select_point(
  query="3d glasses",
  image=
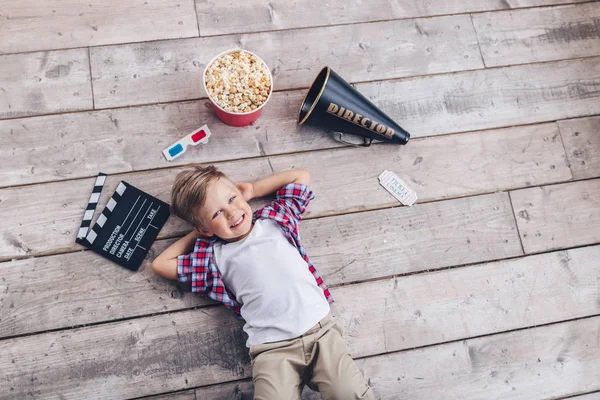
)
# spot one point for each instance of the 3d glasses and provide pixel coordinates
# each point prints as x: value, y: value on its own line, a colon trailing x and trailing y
x: 178, y: 148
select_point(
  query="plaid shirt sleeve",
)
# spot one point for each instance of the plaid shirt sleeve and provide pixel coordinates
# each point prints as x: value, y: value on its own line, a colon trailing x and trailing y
x: 193, y: 268
x: 199, y: 269
x: 290, y: 203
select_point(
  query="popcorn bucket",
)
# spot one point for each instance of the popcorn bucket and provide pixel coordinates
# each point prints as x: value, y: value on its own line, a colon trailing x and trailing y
x: 233, y: 118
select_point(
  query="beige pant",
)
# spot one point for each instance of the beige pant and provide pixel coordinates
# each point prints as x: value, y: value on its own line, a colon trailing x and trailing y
x: 319, y: 359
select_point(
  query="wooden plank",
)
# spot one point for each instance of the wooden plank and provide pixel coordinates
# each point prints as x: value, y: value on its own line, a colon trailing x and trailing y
x: 58, y: 217
x: 244, y: 390
x: 581, y: 138
x: 558, y: 216
x: 490, y: 98
x: 443, y: 306
x: 133, y: 138
x: 44, y: 82
x: 120, y: 140
x: 353, y: 247
x: 480, y: 162
x: 45, y: 293
x: 192, y: 348
x: 240, y: 390
x: 539, y: 34
x: 223, y: 17
x: 343, y: 179
x: 29, y: 26
x: 172, y: 70
x: 186, y: 395
x: 127, y: 359
x: 130, y: 139
x: 541, y: 363
x: 472, y: 293
x: 591, y: 396
x: 464, y: 101
x: 431, y: 236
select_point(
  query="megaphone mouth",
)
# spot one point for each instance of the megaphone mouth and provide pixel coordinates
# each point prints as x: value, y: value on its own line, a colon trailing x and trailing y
x: 313, y: 95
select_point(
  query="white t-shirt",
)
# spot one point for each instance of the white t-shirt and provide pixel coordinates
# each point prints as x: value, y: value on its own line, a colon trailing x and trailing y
x: 279, y: 295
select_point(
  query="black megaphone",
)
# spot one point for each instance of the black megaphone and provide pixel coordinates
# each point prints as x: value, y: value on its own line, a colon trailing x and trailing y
x: 332, y: 103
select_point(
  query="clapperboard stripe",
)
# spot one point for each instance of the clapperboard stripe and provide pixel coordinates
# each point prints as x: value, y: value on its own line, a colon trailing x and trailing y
x: 106, y: 213
x: 91, y: 207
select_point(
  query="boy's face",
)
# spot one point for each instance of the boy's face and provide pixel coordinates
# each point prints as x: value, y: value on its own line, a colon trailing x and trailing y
x: 225, y: 213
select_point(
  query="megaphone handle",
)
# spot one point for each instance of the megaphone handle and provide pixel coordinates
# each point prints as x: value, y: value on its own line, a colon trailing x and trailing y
x: 366, y: 141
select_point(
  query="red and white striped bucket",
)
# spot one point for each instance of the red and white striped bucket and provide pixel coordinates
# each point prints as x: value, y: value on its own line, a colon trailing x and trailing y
x: 228, y: 117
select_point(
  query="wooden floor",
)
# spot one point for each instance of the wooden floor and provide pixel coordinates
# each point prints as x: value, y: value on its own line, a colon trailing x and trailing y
x: 488, y: 288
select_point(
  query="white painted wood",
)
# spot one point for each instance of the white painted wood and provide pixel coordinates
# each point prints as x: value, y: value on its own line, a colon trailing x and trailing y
x: 418, y: 310
x: 44, y: 293
x: 48, y: 216
x: 200, y: 347
x: 436, y: 168
x: 343, y: 179
x: 191, y: 348
x: 539, y: 34
x: 30, y: 25
x: 133, y: 138
x: 129, y: 139
x: 241, y: 390
x: 581, y: 138
x: 44, y: 82
x: 190, y: 395
x: 78, y: 145
x: 244, y: 391
x: 59, y: 291
x: 533, y: 283
x: 127, y: 359
x: 490, y: 98
x: 221, y: 17
x: 172, y: 70
x: 558, y: 216
x: 591, y: 396
x: 355, y: 247
x: 538, y: 363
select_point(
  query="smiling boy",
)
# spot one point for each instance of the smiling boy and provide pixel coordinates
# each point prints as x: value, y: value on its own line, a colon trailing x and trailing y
x: 255, y: 264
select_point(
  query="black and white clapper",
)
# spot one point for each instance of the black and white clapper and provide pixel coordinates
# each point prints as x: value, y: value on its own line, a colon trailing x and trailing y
x: 127, y: 226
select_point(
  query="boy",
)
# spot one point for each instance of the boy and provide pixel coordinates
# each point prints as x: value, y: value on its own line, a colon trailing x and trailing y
x: 257, y: 266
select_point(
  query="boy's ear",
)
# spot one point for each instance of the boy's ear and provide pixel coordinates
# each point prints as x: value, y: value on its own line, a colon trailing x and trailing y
x: 203, y: 232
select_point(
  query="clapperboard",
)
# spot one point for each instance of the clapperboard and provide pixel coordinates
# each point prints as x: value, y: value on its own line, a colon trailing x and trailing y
x: 127, y: 226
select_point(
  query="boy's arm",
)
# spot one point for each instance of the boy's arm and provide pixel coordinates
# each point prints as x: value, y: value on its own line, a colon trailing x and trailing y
x: 165, y: 264
x: 273, y: 183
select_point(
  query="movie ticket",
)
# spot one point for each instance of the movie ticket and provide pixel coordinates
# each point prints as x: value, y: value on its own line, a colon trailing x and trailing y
x: 398, y: 188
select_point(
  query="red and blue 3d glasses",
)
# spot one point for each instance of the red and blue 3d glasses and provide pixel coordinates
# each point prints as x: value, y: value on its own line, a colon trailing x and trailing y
x: 178, y: 148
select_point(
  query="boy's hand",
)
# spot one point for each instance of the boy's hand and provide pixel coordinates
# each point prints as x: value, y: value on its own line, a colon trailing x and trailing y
x: 247, y: 190
x: 266, y: 186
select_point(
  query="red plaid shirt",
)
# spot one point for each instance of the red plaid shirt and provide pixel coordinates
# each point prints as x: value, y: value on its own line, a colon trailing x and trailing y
x: 200, y: 268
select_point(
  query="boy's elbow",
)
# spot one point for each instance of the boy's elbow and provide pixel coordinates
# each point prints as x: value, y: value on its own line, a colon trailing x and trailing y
x: 155, y: 266
x: 164, y: 269
x: 303, y: 177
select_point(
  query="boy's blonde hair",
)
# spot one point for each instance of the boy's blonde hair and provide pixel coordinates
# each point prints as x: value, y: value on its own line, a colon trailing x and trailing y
x: 189, y: 192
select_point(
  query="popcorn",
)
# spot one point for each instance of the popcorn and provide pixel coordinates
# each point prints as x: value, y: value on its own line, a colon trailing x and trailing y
x: 238, y: 82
